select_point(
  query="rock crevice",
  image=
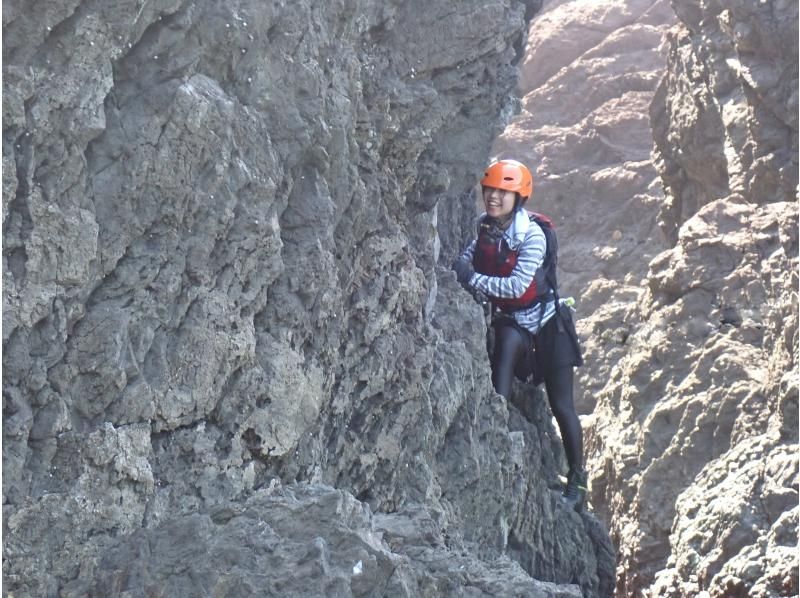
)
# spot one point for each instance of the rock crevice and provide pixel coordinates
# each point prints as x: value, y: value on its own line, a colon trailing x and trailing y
x: 684, y: 267
x: 223, y: 307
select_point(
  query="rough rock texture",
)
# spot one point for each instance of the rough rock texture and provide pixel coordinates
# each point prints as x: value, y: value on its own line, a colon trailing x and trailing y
x: 221, y: 228
x: 695, y: 436
x: 725, y: 117
x: 691, y: 336
x: 256, y: 548
x: 717, y: 494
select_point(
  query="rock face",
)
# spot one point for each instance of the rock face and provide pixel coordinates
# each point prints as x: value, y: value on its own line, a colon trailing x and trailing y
x: 715, y: 492
x: 229, y: 352
x: 725, y: 118
x: 695, y: 436
x: 256, y: 548
x: 687, y: 300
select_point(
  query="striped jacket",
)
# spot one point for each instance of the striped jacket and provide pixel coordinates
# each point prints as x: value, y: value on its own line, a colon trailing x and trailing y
x: 527, y: 239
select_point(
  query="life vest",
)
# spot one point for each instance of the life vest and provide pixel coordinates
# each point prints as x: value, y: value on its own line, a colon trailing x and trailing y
x: 493, y: 257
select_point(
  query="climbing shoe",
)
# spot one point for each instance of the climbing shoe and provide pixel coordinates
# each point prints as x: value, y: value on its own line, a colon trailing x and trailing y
x: 575, y: 490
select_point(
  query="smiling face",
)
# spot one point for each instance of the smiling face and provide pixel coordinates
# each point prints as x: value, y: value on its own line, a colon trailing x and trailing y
x: 498, y: 203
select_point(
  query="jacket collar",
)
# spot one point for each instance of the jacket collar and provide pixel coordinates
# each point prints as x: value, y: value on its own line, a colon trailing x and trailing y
x: 515, y: 234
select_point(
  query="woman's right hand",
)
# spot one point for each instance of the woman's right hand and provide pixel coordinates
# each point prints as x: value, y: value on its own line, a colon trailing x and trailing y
x: 464, y: 272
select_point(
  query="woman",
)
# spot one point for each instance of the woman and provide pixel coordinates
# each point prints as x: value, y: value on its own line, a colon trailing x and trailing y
x: 511, y: 264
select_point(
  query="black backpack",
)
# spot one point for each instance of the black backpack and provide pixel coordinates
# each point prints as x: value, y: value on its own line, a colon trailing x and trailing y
x: 551, y: 253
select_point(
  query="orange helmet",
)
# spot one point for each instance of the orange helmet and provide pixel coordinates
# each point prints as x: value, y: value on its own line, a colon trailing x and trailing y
x: 509, y: 175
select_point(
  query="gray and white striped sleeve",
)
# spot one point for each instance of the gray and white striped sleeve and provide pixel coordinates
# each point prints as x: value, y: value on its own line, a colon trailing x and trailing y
x: 530, y: 256
x: 467, y: 254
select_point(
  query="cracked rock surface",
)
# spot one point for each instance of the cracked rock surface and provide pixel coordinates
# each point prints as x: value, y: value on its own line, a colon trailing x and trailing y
x: 230, y: 353
x: 684, y: 266
x: 721, y: 492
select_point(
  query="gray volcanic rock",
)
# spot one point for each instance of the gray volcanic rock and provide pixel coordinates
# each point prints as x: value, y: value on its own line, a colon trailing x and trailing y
x: 690, y: 383
x: 708, y: 392
x: 695, y: 435
x: 725, y: 118
x: 222, y: 224
x: 305, y: 540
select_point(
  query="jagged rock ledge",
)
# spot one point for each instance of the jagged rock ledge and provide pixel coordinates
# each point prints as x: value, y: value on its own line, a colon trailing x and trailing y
x: 221, y: 229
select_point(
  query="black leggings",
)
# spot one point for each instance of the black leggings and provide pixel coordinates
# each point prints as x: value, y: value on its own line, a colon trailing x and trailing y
x: 510, y: 345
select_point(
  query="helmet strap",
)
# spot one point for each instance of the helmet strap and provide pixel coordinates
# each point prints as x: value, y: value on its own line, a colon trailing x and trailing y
x: 503, y: 222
